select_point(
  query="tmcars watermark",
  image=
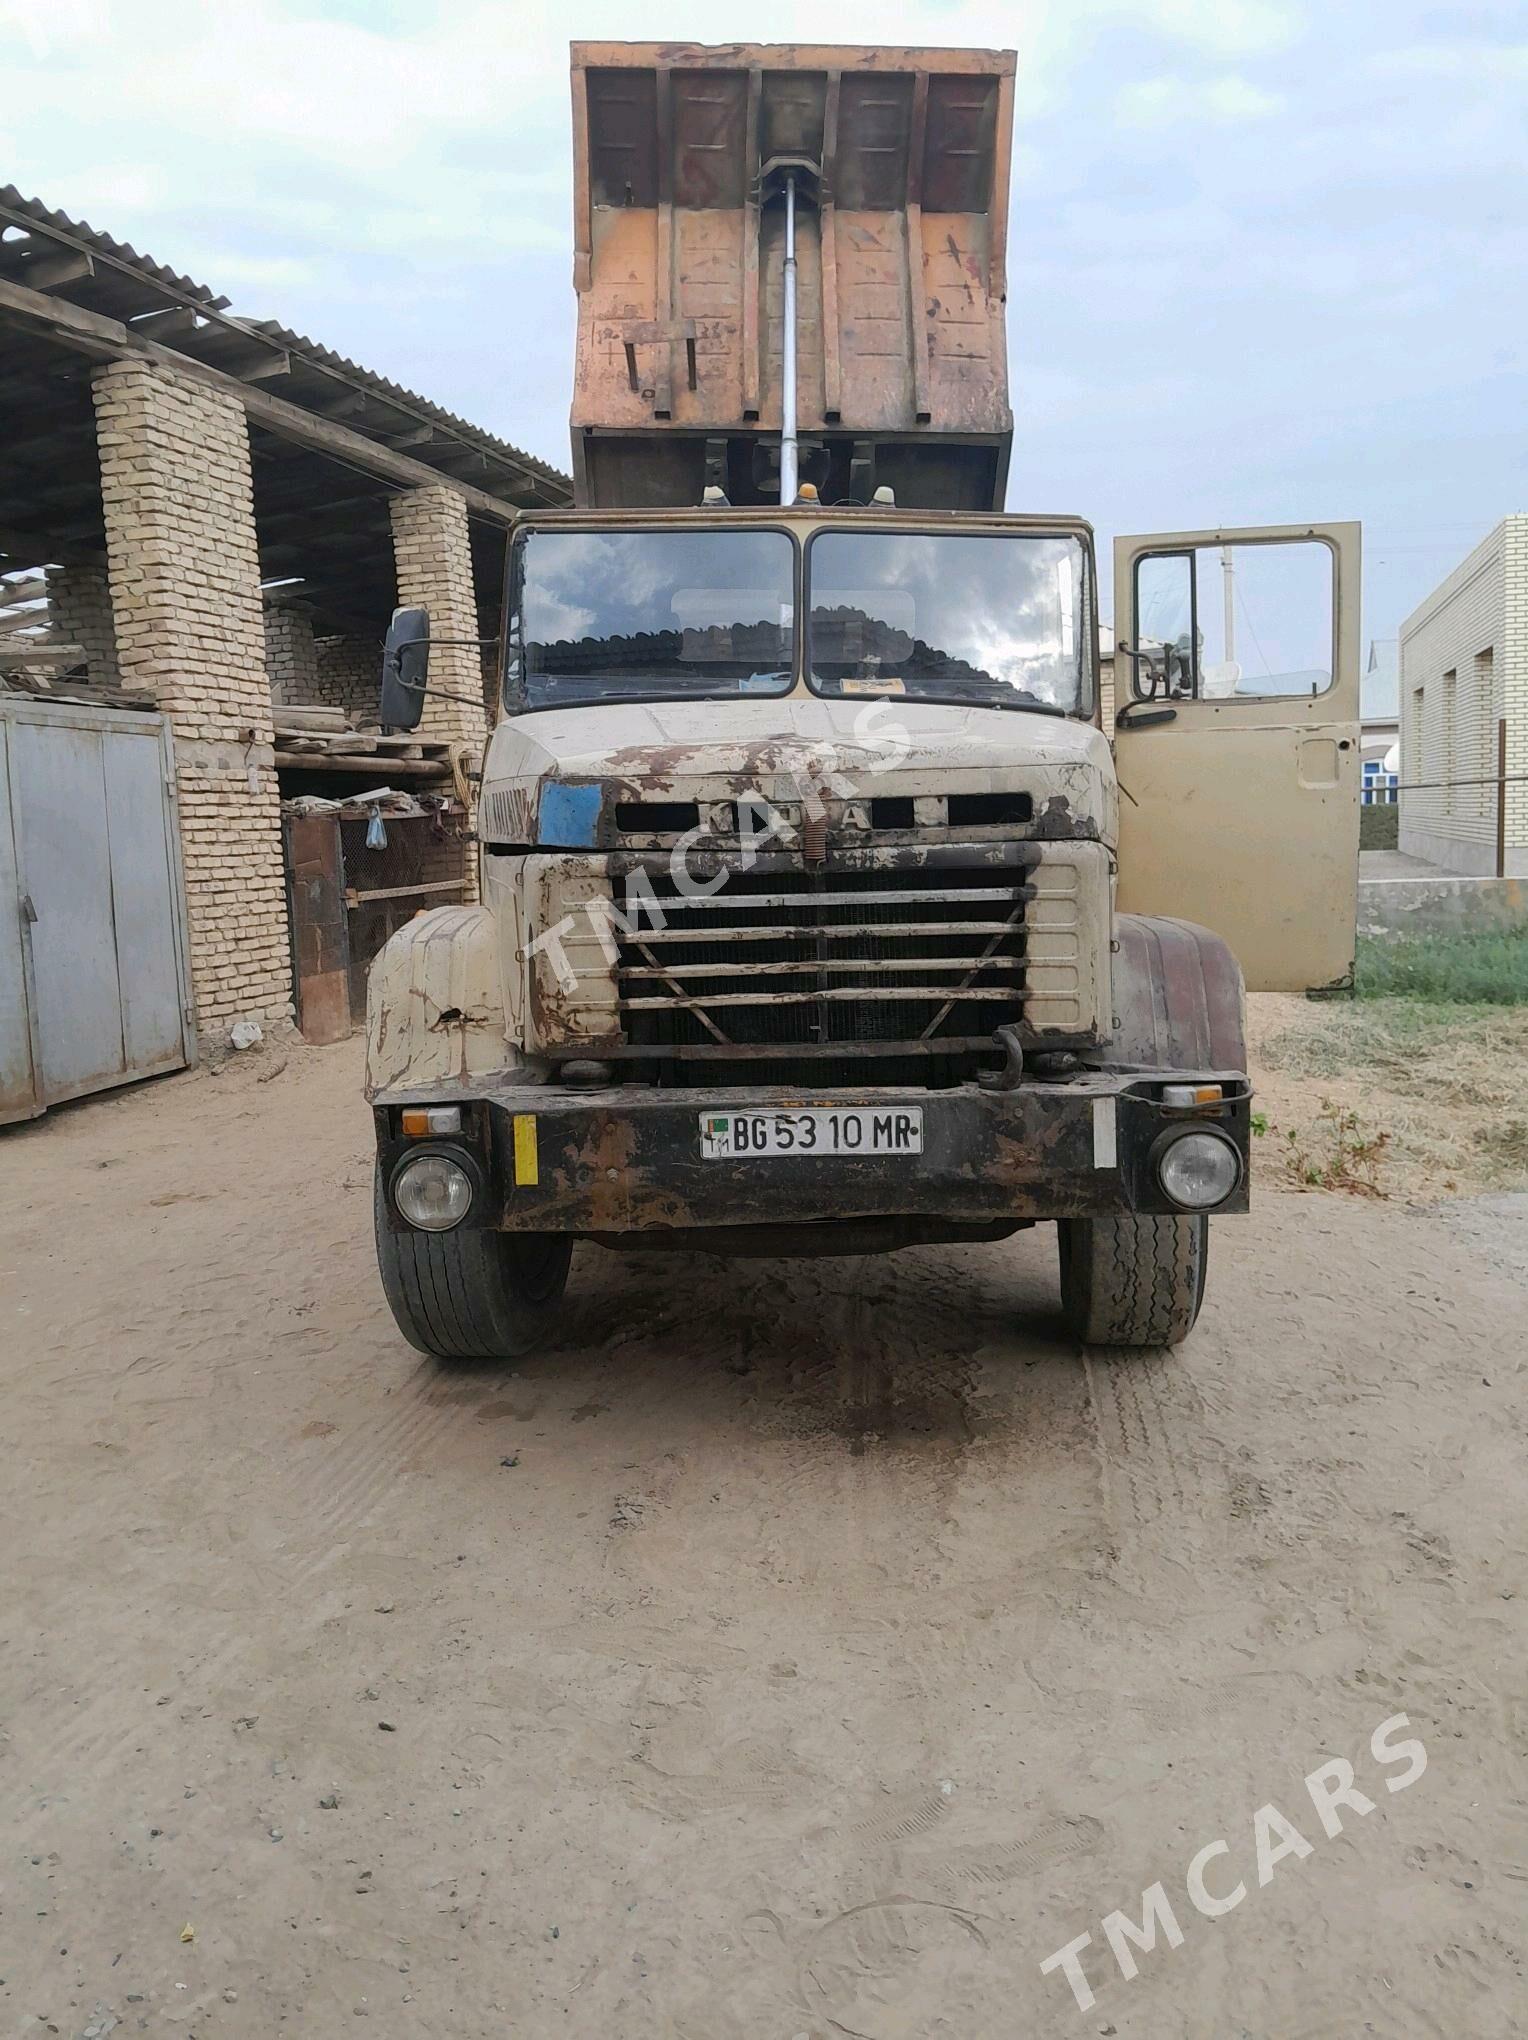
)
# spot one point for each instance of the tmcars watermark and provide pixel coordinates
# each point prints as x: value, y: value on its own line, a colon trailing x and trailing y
x: 814, y: 773
x: 1331, y: 1789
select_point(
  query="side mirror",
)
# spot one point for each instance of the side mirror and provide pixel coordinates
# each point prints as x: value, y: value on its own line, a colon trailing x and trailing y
x: 1167, y: 615
x: 405, y: 669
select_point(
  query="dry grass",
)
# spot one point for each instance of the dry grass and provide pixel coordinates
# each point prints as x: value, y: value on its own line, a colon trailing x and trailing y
x: 1395, y: 1097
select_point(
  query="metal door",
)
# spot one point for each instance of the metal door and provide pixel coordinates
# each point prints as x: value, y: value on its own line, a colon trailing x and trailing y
x: 95, y: 987
x: 18, y: 1084
x: 1239, y: 790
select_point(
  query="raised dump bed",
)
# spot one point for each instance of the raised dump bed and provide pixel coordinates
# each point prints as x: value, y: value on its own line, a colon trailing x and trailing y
x: 900, y: 159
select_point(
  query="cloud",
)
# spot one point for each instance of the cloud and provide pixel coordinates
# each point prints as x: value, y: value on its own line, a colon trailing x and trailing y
x: 1227, y: 28
x: 1483, y: 64
x: 265, y: 272
x: 1227, y: 101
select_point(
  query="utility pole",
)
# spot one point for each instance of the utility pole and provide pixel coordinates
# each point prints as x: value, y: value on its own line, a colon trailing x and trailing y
x: 1228, y: 574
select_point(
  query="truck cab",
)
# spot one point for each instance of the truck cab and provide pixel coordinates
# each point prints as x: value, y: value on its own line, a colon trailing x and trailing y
x: 819, y: 912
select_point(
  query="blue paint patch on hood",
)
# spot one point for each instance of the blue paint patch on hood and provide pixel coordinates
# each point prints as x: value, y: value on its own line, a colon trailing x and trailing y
x: 569, y: 815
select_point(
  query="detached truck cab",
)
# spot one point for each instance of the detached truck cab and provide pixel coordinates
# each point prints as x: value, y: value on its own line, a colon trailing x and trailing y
x: 818, y: 912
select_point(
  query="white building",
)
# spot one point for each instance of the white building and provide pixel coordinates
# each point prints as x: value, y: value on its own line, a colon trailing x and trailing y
x: 1379, y: 728
x: 1464, y: 668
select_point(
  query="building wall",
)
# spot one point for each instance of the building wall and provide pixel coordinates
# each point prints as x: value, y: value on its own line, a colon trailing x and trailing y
x: 434, y: 562
x: 348, y: 675
x: 79, y: 612
x: 291, y: 660
x: 184, y: 576
x: 1464, y: 665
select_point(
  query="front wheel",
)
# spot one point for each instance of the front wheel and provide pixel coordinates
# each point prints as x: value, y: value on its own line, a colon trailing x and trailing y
x: 1130, y: 1279
x: 471, y: 1295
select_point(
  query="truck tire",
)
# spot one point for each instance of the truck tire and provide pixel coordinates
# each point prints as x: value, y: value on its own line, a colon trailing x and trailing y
x: 1129, y: 1279
x: 471, y: 1295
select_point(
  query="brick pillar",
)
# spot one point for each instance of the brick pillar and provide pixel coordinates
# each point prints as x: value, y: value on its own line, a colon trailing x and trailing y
x: 435, y: 568
x: 434, y: 560
x: 291, y: 653
x: 79, y: 611
x: 185, y: 592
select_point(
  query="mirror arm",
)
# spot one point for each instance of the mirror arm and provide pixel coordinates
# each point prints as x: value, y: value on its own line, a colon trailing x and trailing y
x: 441, y: 693
x: 1135, y: 657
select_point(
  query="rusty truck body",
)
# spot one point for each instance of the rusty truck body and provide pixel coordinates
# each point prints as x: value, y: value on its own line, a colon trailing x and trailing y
x: 820, y: 911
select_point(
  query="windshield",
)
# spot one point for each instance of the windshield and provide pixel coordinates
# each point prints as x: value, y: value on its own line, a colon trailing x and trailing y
x: 956, y: 617
x: 651, y: 615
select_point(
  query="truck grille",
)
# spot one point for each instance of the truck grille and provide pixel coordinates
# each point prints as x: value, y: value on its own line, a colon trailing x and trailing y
x: 888, y: 959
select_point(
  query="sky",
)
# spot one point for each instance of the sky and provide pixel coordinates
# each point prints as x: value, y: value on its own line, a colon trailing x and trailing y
x: 1266, y: 258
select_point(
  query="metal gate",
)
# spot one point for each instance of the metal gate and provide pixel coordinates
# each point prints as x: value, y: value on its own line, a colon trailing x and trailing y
x: 94, y: 985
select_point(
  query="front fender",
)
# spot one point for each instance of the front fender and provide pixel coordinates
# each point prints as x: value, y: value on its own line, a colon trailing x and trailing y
x: 1179, y: 1001
x: 435, y: 1001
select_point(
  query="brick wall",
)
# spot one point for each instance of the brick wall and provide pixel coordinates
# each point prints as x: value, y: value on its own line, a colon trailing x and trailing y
x: 434, y: 561
x: 291, y: 659
x: 348, y: 675
x: 1463, y: 665
x: 185, y: 591
x: 79, y: 610
x: 1512, y: 689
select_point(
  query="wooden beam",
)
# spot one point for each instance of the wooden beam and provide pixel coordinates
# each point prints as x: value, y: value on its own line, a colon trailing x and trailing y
x: 382, y: 768
x: 258, y: 367
x: 469, y: 457
x: 346, y: 405
x: 165, y: 325
x: 29, y: 589
x: 24, y: 619
x: 69, y: 266
x: 402, y: 892
x: 108, y: 340
x: 307, y: 508
x: 42, y: 654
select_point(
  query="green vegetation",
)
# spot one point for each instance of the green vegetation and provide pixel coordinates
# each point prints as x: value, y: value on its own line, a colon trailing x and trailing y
x: 1379, y: 826
x: 1447, y: 970
x: 1336, y: 1152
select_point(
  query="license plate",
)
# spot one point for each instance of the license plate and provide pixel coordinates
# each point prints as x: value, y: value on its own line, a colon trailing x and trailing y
x: 814, y: 1130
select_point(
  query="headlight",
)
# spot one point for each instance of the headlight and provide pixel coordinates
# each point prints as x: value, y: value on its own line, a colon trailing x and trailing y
x: 433, y: 1192
x: 1198, y: 1170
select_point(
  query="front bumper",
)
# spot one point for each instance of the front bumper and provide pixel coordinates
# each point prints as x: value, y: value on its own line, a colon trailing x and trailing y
x: 627, y: 1160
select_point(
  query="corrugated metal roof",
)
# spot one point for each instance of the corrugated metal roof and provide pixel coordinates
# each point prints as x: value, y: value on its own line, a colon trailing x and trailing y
x: 161, y: 288
x: 37, y: 214
x: 299, y: 343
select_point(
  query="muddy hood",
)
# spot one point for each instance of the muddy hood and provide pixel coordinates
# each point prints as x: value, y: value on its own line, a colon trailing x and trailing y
x: 715, y: 750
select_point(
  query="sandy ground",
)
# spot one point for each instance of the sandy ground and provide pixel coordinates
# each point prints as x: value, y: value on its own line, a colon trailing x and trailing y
x: 794, y: 1650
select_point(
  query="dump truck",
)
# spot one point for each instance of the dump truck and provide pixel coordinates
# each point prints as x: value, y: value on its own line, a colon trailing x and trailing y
x: 828, y: 905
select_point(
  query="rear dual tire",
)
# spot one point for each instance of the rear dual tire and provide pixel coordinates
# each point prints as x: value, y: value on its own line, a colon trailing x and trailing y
x: 1132, y: 1279
x: 471, y: 1294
